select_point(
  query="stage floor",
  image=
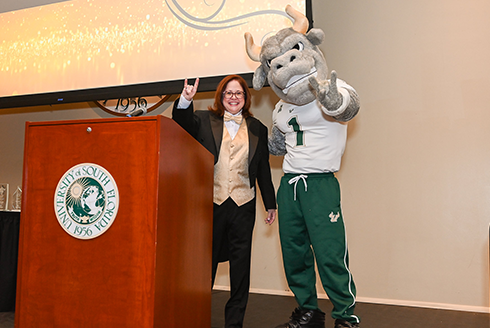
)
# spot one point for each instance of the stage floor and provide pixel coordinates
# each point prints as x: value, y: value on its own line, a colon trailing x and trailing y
x: 268, y: 311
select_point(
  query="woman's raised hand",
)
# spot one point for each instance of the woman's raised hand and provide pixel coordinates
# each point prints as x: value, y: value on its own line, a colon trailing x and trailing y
x: 190, y: 90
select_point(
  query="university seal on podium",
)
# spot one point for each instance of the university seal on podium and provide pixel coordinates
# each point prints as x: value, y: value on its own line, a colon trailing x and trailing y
x: 86, y: 201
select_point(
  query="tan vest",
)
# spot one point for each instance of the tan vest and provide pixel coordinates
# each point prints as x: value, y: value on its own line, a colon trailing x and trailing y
x: 231, y: 171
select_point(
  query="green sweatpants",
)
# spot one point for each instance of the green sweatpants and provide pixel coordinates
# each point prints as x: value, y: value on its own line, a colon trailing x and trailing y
x: 311, y: 227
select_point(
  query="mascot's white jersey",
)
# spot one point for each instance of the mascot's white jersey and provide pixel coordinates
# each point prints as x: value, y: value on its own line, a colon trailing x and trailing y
x: 315, y: 142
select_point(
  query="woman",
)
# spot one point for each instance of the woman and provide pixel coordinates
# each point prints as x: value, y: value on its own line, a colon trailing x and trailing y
x: 238, y: 142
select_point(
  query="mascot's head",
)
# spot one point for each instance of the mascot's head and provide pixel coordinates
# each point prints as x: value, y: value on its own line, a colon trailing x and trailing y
x: 288, y: 59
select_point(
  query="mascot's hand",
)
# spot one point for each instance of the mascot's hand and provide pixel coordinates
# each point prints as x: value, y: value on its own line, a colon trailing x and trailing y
x: 277, y: 142
x: 327, y: 92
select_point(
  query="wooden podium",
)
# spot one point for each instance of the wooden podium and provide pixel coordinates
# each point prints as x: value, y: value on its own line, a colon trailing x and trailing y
x: 152, y: 266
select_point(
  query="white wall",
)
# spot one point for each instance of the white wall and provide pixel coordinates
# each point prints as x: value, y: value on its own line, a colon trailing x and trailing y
x: 415, y: 178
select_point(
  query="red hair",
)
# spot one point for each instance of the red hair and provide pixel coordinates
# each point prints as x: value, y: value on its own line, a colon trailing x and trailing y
x: 218, y: 107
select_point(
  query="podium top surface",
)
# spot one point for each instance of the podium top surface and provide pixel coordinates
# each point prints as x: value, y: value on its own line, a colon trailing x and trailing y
x: 100, y: 120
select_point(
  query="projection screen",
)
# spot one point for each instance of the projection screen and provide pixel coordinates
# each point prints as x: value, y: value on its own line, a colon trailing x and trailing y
x: 82, y: 50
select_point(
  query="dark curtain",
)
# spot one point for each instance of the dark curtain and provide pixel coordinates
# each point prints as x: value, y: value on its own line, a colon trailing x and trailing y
x: 9, y: 246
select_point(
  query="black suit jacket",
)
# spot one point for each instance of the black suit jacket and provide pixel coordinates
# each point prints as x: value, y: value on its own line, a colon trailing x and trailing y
x: 207, y: 128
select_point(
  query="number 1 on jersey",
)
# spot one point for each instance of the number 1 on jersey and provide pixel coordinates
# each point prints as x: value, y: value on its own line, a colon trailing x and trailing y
x: 293, y: 122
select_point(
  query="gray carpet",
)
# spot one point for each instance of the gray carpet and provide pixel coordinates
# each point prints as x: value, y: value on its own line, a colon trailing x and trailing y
x: 6, y: 319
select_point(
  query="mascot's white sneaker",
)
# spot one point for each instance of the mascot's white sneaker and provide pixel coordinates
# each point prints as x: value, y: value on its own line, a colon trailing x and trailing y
x: 305, y: 319
x: 345, y: 324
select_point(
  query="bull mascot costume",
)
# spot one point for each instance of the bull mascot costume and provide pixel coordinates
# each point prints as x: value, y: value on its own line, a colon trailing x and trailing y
x: 310, y: 130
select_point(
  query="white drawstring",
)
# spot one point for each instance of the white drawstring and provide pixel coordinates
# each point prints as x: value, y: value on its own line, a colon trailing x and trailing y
x: 295, y: 181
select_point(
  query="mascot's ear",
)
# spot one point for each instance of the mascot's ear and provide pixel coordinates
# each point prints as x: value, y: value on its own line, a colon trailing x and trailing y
x: 316, y: 36
x: 259, y: 78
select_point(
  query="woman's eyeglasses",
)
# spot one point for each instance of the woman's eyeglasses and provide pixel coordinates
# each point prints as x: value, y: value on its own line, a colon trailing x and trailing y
x: 229, y: 94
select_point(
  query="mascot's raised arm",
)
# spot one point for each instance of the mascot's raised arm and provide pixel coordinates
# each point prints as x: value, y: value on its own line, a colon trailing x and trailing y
x: 310, y: 129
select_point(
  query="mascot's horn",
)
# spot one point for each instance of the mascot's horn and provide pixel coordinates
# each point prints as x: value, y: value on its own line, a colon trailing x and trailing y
x: 253, y: 50
x: 300, y: 20
x: 300, y: 25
